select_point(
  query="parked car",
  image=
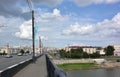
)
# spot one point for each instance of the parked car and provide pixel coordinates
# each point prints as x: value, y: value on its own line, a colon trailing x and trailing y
x: 19, y: 54
x: 8, y: 56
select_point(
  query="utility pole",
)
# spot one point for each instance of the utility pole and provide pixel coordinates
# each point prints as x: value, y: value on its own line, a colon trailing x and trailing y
x: 33, y: 39
x: 40, y: 44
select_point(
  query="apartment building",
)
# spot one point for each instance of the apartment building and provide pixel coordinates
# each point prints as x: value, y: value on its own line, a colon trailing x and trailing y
x: 14, y: 50
x: 5, y: 49
x: 117, y: 50
x: 88, y: 49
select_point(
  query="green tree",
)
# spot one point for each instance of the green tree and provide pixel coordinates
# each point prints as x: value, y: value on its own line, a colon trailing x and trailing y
x: 62, y: 53
x: 22, y: 51
x: 76, y: 53
x: 4, y: 53
x: 95, y: 55
x: 85, y: 55
x: 109, y: 50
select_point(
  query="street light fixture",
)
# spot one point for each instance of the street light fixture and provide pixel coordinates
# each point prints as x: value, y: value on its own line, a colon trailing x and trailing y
x: 33, y: 32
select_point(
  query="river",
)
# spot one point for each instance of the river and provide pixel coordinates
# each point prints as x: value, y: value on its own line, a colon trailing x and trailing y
x: 113, y: 72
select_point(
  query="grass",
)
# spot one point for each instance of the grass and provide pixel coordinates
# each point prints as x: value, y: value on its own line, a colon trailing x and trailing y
x: 77, y: 66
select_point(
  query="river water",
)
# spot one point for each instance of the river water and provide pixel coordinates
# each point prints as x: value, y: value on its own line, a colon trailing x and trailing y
x: 113, y: 72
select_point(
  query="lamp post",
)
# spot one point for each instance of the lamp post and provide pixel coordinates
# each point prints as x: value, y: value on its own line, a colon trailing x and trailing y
x: 33, y: 39
x: 33, y: 32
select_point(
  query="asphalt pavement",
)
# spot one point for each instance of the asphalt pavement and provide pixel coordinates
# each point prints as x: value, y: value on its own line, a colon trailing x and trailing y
x: 7, y: 62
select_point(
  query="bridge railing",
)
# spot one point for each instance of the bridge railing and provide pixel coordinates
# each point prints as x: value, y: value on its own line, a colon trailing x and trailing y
x: 53, y: 70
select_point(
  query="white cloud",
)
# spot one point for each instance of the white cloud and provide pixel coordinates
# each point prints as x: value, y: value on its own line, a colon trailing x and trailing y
x: 43, y: 38
x: 89, y: 2
x: 2, y: 23
x: 78, y: 29
x: 77, y: 44
x: 107, y: 28
x: 54, y: 16
x: 9, y: 24
x: 25, y: 30
x: 56, y: 12
x: 48, y: 2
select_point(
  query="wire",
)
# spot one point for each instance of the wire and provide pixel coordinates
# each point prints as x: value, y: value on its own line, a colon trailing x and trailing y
x: 30, y: 4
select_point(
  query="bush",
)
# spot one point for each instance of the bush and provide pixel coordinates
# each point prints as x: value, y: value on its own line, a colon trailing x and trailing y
x: 95, y: 55
x: 85, y: 55
x: 118, y: 60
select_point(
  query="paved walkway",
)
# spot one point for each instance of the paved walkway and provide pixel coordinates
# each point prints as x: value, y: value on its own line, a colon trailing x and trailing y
x: 37, y: 69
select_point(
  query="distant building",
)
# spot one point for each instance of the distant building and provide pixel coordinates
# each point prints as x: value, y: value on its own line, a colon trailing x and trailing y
x: 100, y: 50
x: 88, y: 49
x: 51, y: 49
x: 117, y: 50
x: 14, y: 50
x: 5, y: 49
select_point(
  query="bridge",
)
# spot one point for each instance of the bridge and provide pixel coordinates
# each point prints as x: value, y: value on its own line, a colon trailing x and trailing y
x: 42, y: 67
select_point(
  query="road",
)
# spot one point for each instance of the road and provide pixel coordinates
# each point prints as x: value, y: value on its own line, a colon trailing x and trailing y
x: 7, y: 62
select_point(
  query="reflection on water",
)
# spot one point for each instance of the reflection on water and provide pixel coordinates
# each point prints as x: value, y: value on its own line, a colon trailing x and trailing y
x: 113, y: 72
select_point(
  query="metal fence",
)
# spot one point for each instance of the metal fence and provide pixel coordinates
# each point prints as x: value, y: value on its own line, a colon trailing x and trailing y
x: 53, y: 70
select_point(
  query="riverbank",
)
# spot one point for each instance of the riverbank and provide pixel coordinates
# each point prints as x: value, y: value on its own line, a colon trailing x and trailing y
x: 82, y: 66
x: 110, y: 64
x: 78, y: 66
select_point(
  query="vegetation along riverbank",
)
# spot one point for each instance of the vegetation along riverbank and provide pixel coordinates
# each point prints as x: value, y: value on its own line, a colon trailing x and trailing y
x: 77, y: 66
x: 82, y: 66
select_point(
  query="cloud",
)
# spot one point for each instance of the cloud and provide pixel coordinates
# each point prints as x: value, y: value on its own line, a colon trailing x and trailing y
x: 9, y: 7
x: 54, y: 16
x: 2, y: 20
x: 10, y: 24
x: 44, y: 29
x: 56, y: 12
x: 25, y: 30
x: 78, y: 29
x: 48, y: 2
x: 107, y: 28
x: 89, y: 2
x: 43, y: 37
x: 13, y: 8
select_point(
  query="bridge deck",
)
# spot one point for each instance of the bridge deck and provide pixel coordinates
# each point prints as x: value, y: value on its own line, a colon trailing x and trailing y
x: 37, y: 69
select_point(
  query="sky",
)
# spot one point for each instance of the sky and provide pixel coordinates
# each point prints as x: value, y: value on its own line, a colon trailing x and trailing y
x: 60, y: 23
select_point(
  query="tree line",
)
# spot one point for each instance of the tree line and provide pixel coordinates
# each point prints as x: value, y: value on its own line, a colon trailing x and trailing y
x: 79, y: 53
x: 22, y: 51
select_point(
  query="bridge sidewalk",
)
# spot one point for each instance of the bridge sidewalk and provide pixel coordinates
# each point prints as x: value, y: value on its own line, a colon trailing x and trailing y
x: 37, y: 69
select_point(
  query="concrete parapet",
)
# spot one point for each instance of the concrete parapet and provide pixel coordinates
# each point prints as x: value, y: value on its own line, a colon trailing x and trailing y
x: 53, y: 70
x: 73, y: 61
x: 10, y: 71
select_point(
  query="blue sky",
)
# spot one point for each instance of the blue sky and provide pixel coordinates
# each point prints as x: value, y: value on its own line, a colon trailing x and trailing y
x: 61, y: 22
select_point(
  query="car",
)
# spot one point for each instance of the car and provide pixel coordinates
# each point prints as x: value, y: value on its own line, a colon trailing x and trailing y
x: 8, y: 56
x: 19, y: 54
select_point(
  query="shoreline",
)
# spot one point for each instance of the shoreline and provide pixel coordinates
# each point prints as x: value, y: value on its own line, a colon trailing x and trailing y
x: 110, y: 65
x: 88, y: 66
